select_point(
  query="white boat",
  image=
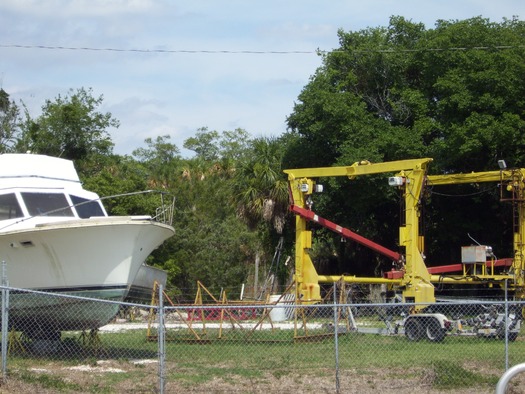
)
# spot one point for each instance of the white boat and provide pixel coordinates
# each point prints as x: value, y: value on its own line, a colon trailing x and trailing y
x: 57, y: 238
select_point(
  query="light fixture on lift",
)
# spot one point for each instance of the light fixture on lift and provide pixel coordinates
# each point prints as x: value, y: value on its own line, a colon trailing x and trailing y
x: 396, y: 181
x: 502, y: 165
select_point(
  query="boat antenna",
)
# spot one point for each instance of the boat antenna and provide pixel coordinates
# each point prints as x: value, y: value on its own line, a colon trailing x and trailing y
x: 472, y: 238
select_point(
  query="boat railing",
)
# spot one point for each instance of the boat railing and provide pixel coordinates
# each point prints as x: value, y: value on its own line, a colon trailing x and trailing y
x: 164, y: 213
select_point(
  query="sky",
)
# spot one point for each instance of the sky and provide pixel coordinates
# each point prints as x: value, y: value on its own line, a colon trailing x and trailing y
x: 172, y: 67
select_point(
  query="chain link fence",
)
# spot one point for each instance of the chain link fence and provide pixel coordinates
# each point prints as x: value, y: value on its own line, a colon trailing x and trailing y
x: 53, y: 343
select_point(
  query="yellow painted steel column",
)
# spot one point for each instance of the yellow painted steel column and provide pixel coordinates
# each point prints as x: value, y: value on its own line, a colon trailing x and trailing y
x: 519, y: 243
x: 308, y: 289
x: 416, y: 283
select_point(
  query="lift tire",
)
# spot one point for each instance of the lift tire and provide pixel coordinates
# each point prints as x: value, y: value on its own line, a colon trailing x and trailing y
x: 413, y: 330
x: 434, y: 331
x: 512, y: 336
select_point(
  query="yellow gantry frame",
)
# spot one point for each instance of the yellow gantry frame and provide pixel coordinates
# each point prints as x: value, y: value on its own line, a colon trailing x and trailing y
x: 512, y: 188
x: 416, y: 283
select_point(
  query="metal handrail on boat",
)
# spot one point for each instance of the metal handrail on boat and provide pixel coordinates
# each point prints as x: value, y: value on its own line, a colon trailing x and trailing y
x: 164, y: 213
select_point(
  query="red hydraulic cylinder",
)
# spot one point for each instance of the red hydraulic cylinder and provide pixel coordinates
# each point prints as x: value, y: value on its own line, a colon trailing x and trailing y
x: 346, y: 233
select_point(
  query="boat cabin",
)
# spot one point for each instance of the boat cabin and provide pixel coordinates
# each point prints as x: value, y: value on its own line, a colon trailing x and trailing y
x: 41, y: 186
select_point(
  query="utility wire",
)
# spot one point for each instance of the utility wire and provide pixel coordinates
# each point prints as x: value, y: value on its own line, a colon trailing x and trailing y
x: 318, y: 51
x: 150, y: 50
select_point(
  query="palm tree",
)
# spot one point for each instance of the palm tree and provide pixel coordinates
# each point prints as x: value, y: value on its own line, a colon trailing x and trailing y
x: 261, y: 190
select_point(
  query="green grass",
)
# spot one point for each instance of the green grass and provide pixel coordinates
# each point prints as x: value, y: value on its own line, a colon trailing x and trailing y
x: 451, y: 375
x: 45, y: 381
x: 454, y: 363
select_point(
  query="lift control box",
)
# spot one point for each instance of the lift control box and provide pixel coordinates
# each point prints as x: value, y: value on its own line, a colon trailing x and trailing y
x: 473, y: 254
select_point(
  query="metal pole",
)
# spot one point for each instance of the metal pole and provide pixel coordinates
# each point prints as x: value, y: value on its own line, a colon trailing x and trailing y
x: 5, y: 322
x: 336, y: 340
x: 507, y: 376
x: 506, y: 326
x: 162, y: 383
x: 256, y: 277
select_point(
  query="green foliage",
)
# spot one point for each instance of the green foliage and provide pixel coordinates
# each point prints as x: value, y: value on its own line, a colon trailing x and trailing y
x: 121, y: 176
x: 10, y: 120
x: 260, y: 188
x: 70, y: 127
x: 160, y: 162
x: 403, y: 91
x: 215, y: 252
x: 454, y: 93
x: 204, y: 144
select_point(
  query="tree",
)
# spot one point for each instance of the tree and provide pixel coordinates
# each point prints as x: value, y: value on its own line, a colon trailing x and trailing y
x: 205, y: 144
x: 214, y: 146
x: 212, y: 244
x: 161, y: 158
x: 404, y: 91
x: 260, y: 193
x: 261, y: 189
x: 9, y: 122
x: 455, y: 93
x: 70, y: 127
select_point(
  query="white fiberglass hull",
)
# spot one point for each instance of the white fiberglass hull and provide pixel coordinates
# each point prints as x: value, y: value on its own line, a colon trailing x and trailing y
x: 96, y: 257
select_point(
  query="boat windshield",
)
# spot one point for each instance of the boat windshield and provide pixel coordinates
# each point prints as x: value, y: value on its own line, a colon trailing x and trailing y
x: 46, y: 204
x: 9, y: 207
x: 86, y: 208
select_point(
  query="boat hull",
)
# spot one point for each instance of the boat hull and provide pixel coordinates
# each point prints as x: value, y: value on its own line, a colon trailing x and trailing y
x: 141, y: 291
x: 43, y: 315
x: 92, y: 258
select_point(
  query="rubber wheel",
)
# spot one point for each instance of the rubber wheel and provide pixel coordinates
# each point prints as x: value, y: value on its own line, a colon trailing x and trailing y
x: 512, y: 336
x: 434, y: 331
x: 413, y: 330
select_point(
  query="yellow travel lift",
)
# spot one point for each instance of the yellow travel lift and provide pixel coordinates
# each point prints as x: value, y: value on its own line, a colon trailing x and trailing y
x: 410, y: 276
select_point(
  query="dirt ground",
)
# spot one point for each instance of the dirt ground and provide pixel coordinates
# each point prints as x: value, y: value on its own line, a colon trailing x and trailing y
x: 127, y: 377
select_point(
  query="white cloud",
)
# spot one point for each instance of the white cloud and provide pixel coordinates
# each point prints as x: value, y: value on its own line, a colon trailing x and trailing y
x: 154, y: 94
x: 80, y: 8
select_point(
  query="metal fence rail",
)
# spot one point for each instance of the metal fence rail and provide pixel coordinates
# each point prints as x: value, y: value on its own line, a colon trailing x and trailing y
x: 254, y: 347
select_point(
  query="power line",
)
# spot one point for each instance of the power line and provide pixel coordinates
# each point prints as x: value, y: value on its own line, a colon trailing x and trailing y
x: 291, y: 52
x: 151, y: 50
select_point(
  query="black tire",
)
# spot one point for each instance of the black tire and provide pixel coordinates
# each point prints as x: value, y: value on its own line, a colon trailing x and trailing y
x: 512, y: 335
x: 434, y: 331
x: 413, y: 330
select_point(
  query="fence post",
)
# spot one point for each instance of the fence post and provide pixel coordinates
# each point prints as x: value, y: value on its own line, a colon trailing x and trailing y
x: 161, y: 340
x: 336, y: 340
x: 506, y: 322
x: 5, y: 319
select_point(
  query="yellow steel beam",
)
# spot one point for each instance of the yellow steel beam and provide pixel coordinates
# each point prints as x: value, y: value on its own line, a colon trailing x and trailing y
x: 358, y: 168
x: 358, y: 279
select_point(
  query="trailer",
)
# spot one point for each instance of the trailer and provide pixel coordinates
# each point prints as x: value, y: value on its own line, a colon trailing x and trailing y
x: 410, y: 277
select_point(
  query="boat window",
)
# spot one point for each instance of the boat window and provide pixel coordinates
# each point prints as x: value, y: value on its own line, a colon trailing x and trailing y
x: 86, y: 208
x: 9, y: 207
x: 47, y: 204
